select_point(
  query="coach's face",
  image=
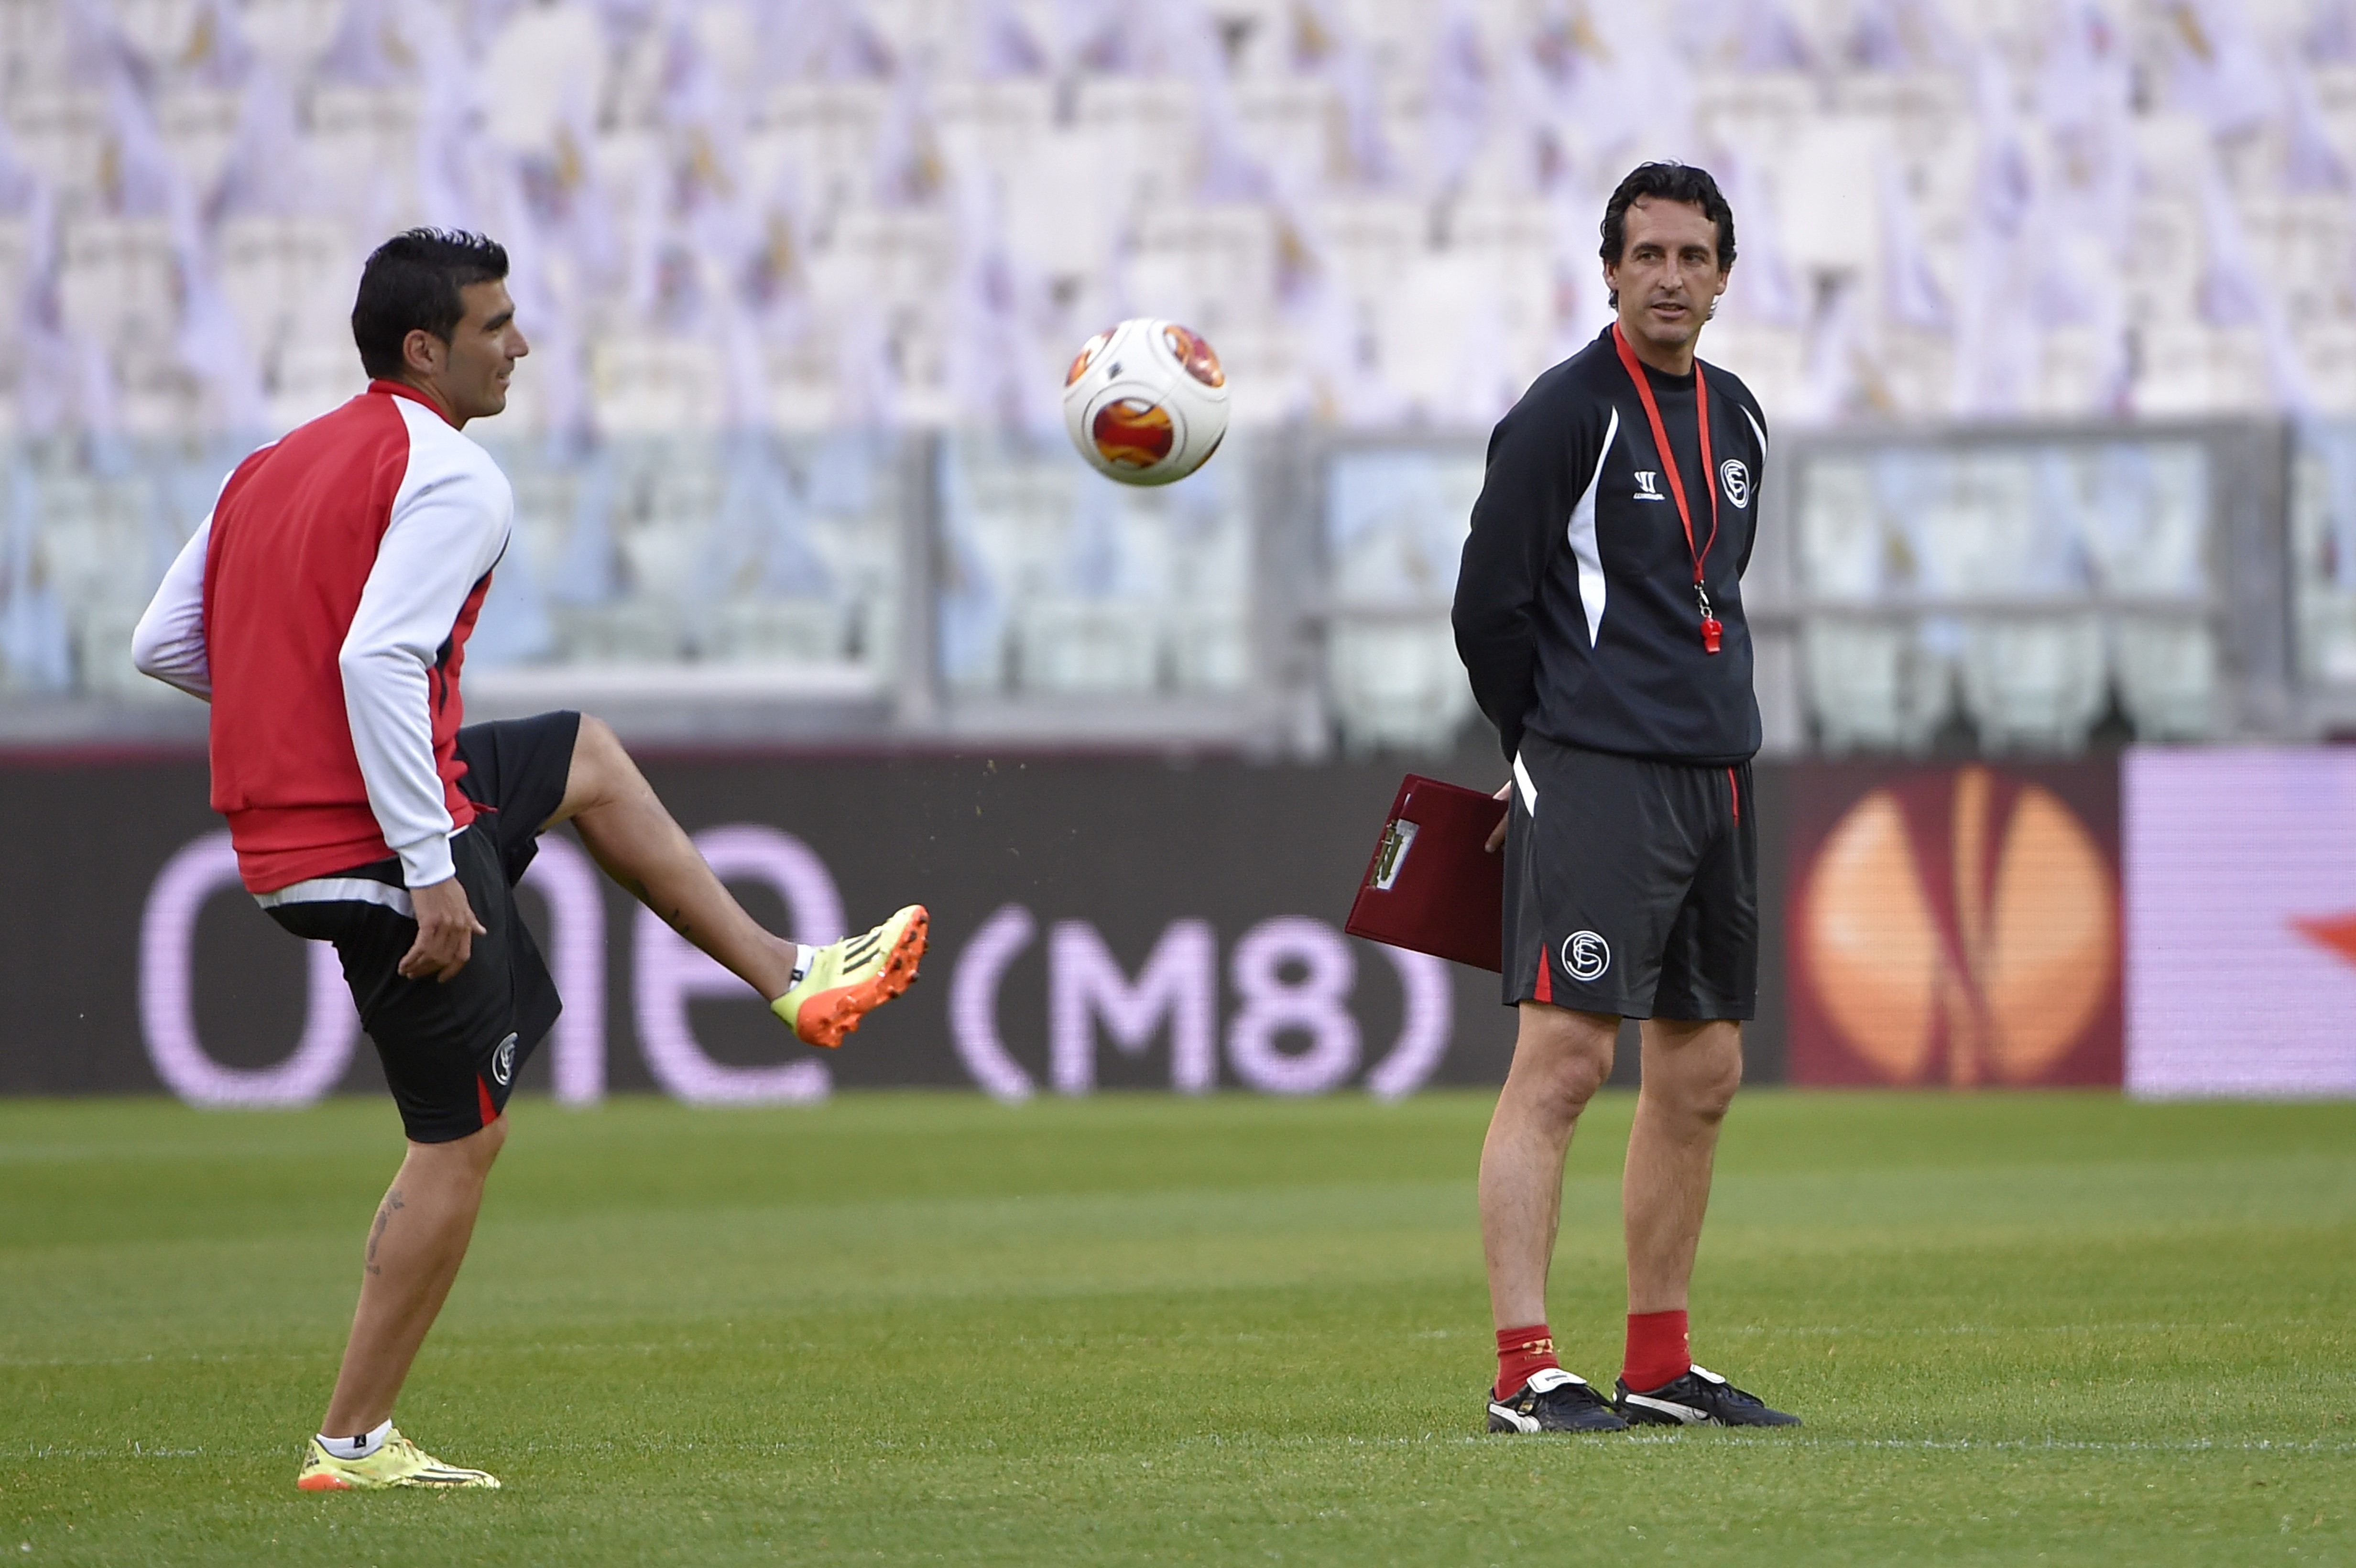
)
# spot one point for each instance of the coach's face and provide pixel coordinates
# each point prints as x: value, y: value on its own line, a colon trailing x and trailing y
x: 468, y: 375
x: 1667, y: 275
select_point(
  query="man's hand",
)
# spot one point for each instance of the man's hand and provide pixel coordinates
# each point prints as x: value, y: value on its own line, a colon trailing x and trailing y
x: 1497, y: 834
x: 446, y: 929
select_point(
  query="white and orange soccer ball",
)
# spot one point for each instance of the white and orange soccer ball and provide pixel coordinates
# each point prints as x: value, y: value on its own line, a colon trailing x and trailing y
x: 1146, y: 402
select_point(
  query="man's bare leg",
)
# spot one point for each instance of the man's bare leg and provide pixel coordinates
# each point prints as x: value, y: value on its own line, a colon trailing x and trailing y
x: 631, y: 835
x: 1560, y: 1059
x: 1691, y: 1071
x: 414, y: 1247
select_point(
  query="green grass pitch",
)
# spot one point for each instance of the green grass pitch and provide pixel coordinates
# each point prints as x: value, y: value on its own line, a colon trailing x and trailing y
x: 914, y: 1328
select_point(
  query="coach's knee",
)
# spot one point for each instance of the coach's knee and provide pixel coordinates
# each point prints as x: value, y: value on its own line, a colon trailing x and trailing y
x: 1712, y: 1092
x: 1562, y: 1057
x: 1698, y: 1081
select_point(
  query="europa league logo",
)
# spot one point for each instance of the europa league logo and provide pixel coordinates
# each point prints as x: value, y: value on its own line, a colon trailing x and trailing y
x: 1954, y: 927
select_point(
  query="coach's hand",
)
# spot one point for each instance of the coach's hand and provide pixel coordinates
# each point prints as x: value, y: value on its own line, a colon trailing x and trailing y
x: 1497, y: 834
x: 446, y: 929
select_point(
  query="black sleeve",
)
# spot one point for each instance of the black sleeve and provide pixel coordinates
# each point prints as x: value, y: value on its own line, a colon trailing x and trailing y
x: 1517, y: 524
x: 1758, y: 480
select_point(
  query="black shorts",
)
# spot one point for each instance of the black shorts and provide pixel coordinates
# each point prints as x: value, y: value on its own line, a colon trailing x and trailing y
x: 451, y: 1051
x: 1632, y: 887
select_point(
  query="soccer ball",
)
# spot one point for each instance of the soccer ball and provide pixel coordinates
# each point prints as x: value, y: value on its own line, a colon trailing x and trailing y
x: 1146, y: 402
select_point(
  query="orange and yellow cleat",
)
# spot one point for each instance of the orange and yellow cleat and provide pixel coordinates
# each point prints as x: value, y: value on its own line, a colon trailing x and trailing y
x: 849, y: 978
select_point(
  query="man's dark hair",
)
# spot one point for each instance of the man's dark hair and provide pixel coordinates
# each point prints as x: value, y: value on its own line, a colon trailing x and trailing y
x: 1667, y: 182
x: 412, y: 282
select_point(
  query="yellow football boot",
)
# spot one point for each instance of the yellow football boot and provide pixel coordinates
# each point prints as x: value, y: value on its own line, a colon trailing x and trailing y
x: 400, y: 1462
x: 849, y: 978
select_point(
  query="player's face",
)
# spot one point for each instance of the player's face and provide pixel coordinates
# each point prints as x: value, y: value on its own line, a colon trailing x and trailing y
x: 1667, y: 275
x: 470, y: 373
x: 484, y: 347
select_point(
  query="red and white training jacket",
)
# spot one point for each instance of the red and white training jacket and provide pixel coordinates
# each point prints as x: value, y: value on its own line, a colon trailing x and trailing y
x: 324, y: 608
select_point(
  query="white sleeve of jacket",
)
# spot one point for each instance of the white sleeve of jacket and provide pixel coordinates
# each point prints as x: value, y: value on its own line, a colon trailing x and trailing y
x: 450, y: 524
x: 169, y: 641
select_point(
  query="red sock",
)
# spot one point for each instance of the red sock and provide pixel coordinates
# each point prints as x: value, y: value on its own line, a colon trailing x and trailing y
x: 1520, y: 1352
x: 1657, y: 1351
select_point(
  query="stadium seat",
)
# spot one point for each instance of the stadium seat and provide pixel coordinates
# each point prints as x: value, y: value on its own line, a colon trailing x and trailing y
x: 117, y: 279
x: 197, y: 125
x: 2034, y: 686
x: 155, y: 394
x: 1737, y: 108
x: 988, y: 129
x: 1146, y: 126
x: 1872, y: 687
x: 2167, y: 676
x: 1292, y: 124
x: 1772, y: 360
x: 289, y: 34
x: 1395, y: 683
x: 16, y: 273
x: 59, y: 130
x: 1067, y: 645
x: 1209, y: 650
x: 309, y: 374
x: 775, y: 631
x: 287, y: 277
x: 652, y: 382
x: 830, y: 129
x: 1209, y: 266
x: 627, y: 631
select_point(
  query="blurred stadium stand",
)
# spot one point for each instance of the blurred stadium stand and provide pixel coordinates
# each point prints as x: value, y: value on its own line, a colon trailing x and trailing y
x: 2053, y: 307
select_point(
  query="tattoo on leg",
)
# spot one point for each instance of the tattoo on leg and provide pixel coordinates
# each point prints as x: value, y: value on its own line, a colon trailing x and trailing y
x: 376, y: 1232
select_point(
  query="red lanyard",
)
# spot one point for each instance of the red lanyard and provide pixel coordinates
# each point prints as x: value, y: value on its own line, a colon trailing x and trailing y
x: 1710, y: 628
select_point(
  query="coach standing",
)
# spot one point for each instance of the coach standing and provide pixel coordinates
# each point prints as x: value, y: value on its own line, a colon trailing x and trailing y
x: 1599, y: 614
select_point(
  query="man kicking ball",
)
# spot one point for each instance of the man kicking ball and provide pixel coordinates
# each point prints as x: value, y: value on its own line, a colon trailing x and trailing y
x: 1599, y: 612
x: 323, y: 610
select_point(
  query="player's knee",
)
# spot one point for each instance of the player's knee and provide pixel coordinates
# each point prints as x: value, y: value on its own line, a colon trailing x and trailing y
x: 596, y: 747
x: 602, y: 770
x: 478, y: 1149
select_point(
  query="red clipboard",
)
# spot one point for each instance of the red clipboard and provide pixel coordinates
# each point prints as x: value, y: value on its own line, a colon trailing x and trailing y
x: 1430, y: 886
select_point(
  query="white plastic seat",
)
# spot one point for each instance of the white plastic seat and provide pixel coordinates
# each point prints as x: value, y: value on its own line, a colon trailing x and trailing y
x: 645, y: 383
x: 197, y: 125
x: 1210, y: 266
x: 1075, y: 646
x: 1396, y: 683
x: 1289, y: 123
x: 16, y: 264
x: 2167, y: 675
x: 286, y: 276
x: 830, y: 130
x: 308, y: 375
x: 1147, y: 126
x: 60, y: 132
x: 117, y: 278
x: 1871, y: 687
x: 1209, y: 650
x: 628, y: 630
x: 773, y: 631
x: 994, y: 128
x: 2035, y: 686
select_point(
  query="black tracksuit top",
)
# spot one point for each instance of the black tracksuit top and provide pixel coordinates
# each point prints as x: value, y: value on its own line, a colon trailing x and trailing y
x: 1575, y: 613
